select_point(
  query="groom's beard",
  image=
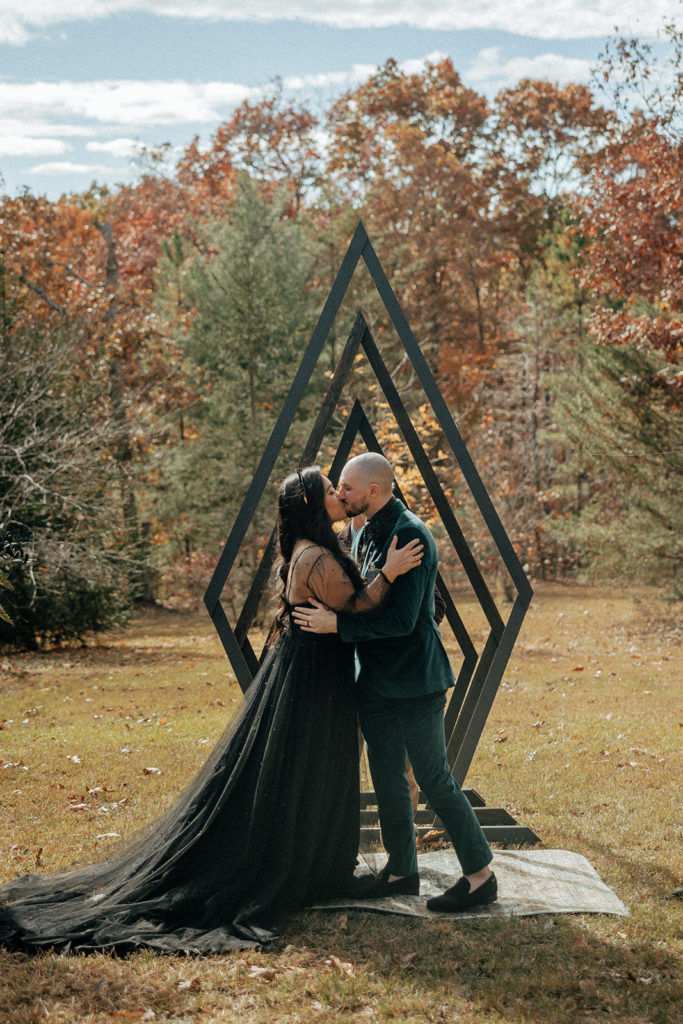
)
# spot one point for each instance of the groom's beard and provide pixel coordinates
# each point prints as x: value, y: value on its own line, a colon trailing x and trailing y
x: 356, y: 510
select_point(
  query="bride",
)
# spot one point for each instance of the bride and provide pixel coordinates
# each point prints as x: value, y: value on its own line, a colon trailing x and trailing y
x: 271, y: 821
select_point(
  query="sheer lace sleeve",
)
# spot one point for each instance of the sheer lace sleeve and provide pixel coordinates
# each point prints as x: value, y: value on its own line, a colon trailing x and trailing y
x: 318, y: 574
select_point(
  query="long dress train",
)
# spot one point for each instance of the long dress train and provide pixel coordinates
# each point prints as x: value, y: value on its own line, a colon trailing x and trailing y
x: 269, y: 824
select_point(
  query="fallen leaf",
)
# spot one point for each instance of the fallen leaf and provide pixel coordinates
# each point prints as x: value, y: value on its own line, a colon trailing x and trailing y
x: 194, y: 984
x: 264, y: 973
x: 406, y: 960
x: 431, y: 837
x: 341, y: 966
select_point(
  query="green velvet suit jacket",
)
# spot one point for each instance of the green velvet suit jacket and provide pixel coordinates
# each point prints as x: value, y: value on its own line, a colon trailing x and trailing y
x: 399, y: 647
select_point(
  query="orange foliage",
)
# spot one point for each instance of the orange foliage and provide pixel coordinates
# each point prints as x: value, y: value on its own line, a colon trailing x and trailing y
x: 52, y: 257
x: 273, y: 142
x: 631, y: 223
x: 460, y: 194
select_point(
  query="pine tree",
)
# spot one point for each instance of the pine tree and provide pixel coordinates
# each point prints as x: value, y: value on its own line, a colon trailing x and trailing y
x: 247, y: 318
x: 630, y: 446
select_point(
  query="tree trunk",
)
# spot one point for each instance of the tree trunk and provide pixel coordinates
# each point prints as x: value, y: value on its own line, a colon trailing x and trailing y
x: 138, y: 575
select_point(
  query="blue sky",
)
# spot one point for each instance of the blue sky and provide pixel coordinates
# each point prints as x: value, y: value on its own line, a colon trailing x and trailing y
x: 79, y: 92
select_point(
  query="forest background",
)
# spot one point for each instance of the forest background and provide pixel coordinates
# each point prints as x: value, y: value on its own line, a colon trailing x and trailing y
x: 149, y: 333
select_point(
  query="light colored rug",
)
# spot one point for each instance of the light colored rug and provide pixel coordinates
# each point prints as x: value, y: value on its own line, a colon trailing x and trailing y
x: 529, y: 882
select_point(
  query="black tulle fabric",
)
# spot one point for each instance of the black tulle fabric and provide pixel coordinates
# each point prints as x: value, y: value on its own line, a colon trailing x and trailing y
x: 269, y: 824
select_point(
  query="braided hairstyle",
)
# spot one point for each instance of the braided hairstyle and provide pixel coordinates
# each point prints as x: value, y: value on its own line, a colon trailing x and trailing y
x: 302, y: 515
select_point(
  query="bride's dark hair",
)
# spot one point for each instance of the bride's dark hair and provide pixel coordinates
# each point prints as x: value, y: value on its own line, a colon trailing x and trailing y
x: 302, y: 515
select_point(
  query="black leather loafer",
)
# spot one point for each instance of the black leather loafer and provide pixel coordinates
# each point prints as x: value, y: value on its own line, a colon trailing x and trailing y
x: 459, y: 897
x: 377, y: 887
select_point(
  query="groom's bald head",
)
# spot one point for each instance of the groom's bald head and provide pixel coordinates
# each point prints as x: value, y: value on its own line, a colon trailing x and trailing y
x: 366, y: 483
x: 372, y: 468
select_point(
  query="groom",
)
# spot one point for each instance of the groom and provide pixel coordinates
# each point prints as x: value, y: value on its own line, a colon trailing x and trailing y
x: 402, y: 681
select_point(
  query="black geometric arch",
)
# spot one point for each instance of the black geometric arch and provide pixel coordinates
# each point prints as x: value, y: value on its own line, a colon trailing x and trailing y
x: 481, y: 672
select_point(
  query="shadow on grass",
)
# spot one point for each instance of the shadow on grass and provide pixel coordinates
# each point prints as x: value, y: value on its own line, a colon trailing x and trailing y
x: 138, y: 654
x: 656, y: 879
x: 545, y: 969
x: 46, y: 987
x: 560, y: 969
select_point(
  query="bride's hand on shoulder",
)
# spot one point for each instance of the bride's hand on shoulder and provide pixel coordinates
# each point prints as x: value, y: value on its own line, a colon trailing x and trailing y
x: 402, y: 560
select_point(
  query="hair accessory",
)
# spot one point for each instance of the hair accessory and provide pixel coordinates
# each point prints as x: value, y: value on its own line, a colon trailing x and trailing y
x: 303, y: 485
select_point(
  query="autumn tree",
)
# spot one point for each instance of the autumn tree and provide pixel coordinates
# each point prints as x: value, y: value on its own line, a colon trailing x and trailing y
x: 57, y: 422
x: 462, y: 194
x: 544, y: 139
x: 631, y: 218
x: 632, y: 264
x: 87, y: 260
x: 272, y: 141
x: 51, y: 259
x: 404, y: 149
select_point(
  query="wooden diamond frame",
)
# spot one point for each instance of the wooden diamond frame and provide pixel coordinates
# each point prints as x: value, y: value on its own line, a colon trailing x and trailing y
x: 481, y: 671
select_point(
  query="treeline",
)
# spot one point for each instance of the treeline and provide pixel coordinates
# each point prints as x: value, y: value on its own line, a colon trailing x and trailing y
x: 149, y: 333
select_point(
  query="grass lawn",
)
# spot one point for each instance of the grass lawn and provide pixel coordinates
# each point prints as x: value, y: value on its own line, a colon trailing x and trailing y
x: 583, y: 744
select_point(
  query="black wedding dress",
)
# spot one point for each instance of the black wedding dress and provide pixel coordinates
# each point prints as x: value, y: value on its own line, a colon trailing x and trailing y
x: 269, y: 824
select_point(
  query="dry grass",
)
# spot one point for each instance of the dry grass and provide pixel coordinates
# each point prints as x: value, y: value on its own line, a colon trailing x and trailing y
x: 583, y: 744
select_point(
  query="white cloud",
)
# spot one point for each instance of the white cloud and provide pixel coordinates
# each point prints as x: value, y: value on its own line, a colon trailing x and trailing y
x: 567, y: 19
x: 23, y: 145
x: 123, y: 148
x: 416, y: 66
x: 99, y: 108
x: 38, y: 126
x: 357, y: 73
x: 338, y: 79
x: 122, y: 102
x: 488, y: 69
x: 26, y: 107
x: 67, y: 167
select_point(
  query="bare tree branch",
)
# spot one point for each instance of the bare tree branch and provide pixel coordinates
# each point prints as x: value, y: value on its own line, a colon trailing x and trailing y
x: 39, y: 291
x: 70, y: 271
